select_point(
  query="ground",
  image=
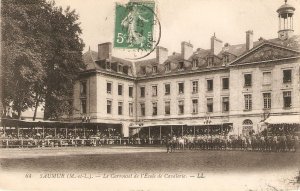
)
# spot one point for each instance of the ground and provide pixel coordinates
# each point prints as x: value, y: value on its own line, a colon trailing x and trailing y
x: 127, y: 160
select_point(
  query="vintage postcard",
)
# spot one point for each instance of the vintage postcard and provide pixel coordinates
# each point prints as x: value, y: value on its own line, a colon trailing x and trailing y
x: 145, y: 95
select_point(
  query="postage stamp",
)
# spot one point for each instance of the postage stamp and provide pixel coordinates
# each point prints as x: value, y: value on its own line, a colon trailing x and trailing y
x: 134, y: 26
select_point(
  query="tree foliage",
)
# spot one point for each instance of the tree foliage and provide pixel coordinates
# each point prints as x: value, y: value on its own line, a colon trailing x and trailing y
x: 41, y: 55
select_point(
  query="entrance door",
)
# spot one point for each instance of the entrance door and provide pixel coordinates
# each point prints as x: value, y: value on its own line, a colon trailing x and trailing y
x: 247, y: 127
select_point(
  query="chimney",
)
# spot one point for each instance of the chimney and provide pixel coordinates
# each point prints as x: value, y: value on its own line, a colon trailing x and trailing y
x: 249, y: 40
x: 216, y: 45
x: 104, y: 51
x: 186, y: 50
x: 161, y: 54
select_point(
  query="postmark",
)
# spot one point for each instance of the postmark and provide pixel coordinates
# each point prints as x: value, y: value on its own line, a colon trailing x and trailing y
x: 135, y: 26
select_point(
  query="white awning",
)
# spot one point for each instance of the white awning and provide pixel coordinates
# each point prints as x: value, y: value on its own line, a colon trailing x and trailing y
x: 284, y: 119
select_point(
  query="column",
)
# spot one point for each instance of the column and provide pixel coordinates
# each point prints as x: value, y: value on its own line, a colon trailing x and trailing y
x: 287, y: 21
x: 149, y: 133
x: 43, y: 132
x: 194, y: 131
x: 66, y: 132
x: 171, y: 131
x: 181, y: 130
x: 160, y: 133
x: 279, y: 24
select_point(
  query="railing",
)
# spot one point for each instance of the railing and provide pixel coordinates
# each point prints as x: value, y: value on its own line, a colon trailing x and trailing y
x: 29, y: 143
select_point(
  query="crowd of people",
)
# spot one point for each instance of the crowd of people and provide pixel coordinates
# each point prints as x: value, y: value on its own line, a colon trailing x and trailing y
x: 55, y: 138
x: 51, y: 137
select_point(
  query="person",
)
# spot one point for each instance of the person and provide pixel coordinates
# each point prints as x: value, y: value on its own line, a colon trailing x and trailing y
x: 130, y: 22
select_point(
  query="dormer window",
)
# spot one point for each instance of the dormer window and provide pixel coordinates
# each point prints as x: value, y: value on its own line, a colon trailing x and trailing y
x: 210, y: 61
x: 120, y: 68
x: 168, y: 67
x: 143, y: 70
x: 225, y: 58
x: 180, y: 66
x: 154, y: 69
x: 108, y: 65
x: 195, y: 63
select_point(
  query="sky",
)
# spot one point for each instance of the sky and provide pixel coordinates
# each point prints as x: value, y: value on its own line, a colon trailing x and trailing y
x: 194, y: 21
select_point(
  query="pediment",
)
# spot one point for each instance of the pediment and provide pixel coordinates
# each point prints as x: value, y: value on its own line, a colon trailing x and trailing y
x: 265, y: 52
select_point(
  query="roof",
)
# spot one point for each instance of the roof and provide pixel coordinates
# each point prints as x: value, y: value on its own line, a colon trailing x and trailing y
x: 144, y: 68
x: 92, y: 62
x: 285, y: 7
x: 284, y: 119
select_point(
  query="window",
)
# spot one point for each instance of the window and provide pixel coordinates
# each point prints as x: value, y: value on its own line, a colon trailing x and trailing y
x: 195, y: 63
x: 195, y: 105
x: 143, y: 70
x: 130, y: 109
x: 83, y: 88
x: 181, y: 88
x: 210, y: 105
x: 154, y: 90
x: 108, y: 107
x: 143, y: 109
x: 168, y: 67
x: 142, y: 91
x: 287, y: 99
x: 180, y: 66
x: 120, y: 108
x: 225, y: 58
x: 195, y: 87
x: 225, y: 104
x: 108, y: 87
x: 225, y: 83
x: 248, y: 101
x: 120, y: 89
x: 210, y: 85
x: 267, y: 100
x: 287, y: 76
x: 154, y: 69
x: 70, y: 104
x: 210, y: 61
x: 167, y: 108
x: 167, y: 89
x: 247, y: 80
x: 130, y: 91
x: 266, y: 78
x: 83, y: 106
x: 120, y: 68
x: 180, y: 107
x: 108, y: 65
x: 154, y: 108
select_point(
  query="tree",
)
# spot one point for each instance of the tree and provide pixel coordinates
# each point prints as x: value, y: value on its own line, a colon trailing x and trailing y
x: 41, y: 55
x: 21, y: 56
x: 64, y: 61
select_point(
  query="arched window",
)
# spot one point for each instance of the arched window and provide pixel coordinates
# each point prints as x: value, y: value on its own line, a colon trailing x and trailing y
x: 247, y: 126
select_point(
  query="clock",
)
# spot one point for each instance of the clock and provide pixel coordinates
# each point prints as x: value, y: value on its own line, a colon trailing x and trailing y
x: 283, y: 35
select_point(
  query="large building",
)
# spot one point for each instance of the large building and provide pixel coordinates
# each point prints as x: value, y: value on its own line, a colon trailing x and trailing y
x: 227, y: 84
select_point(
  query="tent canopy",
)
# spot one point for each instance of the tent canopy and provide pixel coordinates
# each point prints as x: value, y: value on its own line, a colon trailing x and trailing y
x: 284, y: 119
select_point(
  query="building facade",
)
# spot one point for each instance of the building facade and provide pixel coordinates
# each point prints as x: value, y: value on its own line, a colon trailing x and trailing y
x: 238, y: 84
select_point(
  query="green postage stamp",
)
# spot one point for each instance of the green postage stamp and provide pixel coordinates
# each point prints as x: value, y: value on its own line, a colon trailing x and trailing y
x: 134, y: 26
